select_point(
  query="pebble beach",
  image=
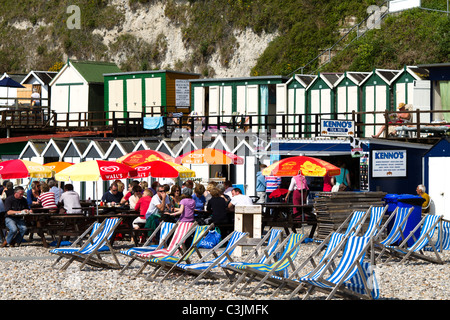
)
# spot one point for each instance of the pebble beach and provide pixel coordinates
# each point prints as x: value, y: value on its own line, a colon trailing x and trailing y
x: 26, y: 274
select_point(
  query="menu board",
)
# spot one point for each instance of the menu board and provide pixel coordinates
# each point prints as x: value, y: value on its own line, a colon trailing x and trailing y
x: 182, y: 93
x: 388, y: 163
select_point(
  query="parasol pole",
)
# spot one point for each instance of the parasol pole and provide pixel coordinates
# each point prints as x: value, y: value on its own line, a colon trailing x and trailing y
x: 96, y: 195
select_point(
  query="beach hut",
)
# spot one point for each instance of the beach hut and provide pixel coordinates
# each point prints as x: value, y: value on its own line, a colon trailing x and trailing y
x: 296, y: 103
x: 437, y: 177
x: 321, y: 98
x: 78, y: 88
x: 252, y: 96
x: 53, y: 150
x: 130, y: 94
x: 32, y: 151
x: 349, y: 93
x: 246, y: 174
x: 73, y: 153
x: 439, y: 77
x: 377, y: 96
x: 36, y: 81
x: 411, y: 87
x: 10, y: 92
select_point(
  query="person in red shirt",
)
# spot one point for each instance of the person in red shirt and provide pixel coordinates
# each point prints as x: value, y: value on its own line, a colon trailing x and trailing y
x: 47, y: 198
x: 142, y: 206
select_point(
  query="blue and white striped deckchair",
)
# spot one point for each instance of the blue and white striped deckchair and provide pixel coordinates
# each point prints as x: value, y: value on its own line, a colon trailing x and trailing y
x: 165, y: 230
x: 334, y: 243
x: 376, y: 217
x: 444, y: 234
x: 167, y: 262
x: 263, y: 271
x: 203, y: 267
x: 340, y: 281
x: 428, y: 227
x: 401, y: 215
x: 272, y: 237
x: 85, y: 254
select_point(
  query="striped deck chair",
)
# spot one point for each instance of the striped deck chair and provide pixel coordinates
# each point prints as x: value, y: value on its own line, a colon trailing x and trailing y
x: 166, y: 263
x: 263, y: 272
x: 273, y: 236
x: 401, y: 215
x: 203, y: 268
x: 428, y: 227
x: 333, y: 243
x: 376, y: 217
x: 352, y: 278
x: 443, y: 241
x: 182, y: 232
x: 89, y: 253
x: 165, y: 230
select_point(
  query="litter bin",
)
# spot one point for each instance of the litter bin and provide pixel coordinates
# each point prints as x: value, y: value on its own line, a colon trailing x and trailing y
x: 405, y: 200
x: 408, y: 201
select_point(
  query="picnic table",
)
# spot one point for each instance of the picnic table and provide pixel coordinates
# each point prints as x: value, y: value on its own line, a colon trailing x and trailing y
x: 280, y: 214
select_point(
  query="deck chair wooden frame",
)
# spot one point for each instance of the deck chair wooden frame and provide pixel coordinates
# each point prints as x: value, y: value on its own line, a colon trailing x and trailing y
x: 234, y: 239
x: 176, y: 244
x: 264, y: 273
x: 161, y: 264
x: 146, y: 247
x: 89, y: 253
x: 428, y: 226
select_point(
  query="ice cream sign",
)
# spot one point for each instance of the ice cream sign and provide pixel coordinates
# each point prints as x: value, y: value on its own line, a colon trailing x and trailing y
x: 389, y: 163
x: 337, y: 128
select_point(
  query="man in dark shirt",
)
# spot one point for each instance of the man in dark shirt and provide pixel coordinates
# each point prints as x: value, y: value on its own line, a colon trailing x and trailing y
x: 15, y: 204
x: 113, y: 195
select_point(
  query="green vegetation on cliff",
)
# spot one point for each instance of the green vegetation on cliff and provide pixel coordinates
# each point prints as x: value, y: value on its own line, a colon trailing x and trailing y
x: 304, y: 29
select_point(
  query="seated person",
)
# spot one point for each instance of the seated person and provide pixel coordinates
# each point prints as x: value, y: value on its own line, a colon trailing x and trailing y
x: 218, y: 207
x: 238, y: 199
x: 142, y: 206
x: 16, y: 224
x: 47, y: 199
x: 398, y: 118
x: 113, y: 195
x: 126, y: 197
x: 70, y: 199
x: 33, y: 193
x: 185, y: 211
x: 199, y: 197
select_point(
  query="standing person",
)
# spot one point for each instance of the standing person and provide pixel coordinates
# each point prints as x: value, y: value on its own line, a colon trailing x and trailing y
x: 261, y: 184
x: 70, y: 199
x: 343, y: 177
x: 35, y: 98
x: 217, y: 206
x: 328, y: 183
x: 33, y: 193
x: 16, y: 224
x: 272, y: 184
x: 299, y: 189
x: 47, y: 199
x: 421, y: 192
x: 186, y: 209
